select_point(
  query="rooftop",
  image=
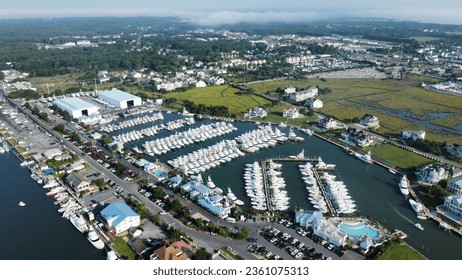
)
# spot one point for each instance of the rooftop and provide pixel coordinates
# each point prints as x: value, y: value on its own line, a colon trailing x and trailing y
x: 73, y: 103
x: 118, y: 95
x: 115, y: 213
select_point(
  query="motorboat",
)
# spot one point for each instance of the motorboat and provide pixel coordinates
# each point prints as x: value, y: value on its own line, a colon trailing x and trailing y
x: 419, y: 226
x: 417, y: 207
x: 404, y: 185
x: 94, y: 239
x: 111, y: 256
x: 79, y: 223
x: 366, y: 158
x: 22, y: 204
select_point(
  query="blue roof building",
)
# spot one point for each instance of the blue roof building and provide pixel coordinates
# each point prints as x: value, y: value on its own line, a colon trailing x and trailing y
x: 213, y: 205
x: 196, y: 189
x: 119, y: 218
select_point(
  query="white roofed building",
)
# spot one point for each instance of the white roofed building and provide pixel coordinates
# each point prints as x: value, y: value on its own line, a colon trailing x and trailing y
x: 76, y: 107
x: 290, y: 113
x: 314, y: 103
x: 120, y: 99
x: 304, y: 94
x: 453, y: 205
x: 414, y: 135
x: 455, y: 186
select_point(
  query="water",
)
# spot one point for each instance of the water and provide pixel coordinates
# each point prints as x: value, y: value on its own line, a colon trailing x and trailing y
x: 36, y: 231
x: 359, y: 230
x: 374, y: 188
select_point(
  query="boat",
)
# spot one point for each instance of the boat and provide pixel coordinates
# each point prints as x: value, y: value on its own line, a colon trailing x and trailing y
x: 366, y: 158
x: 392, y: 171
x: 417, y: 207
x: 111, y: 256
x: 36, y: 178
x: 186, y: 113
x: 231, y: 196
x: 94, y: 239
x: 6, y: 147
x: 404, y: 185
x: 79, y: 223
x: 22, y: 204
x: 419, y: 226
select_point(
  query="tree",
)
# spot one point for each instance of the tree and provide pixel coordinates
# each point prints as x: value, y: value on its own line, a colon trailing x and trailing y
x: 202, y: 254
x: 75, y: 137
x: 60, y: 127
x: 27, y: 104
x: 176, y: 205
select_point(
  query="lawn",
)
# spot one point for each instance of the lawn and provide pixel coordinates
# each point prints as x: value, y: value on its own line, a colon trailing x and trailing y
x: 397, y: 251
x: 273, y: 85
x: 221, y: 96
x: 121, y: 247
x: 398, y: 156
x: 449, y: 122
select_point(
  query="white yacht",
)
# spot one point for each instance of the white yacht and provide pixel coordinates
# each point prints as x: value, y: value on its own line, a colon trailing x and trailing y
x: 79, y: 223
x: 111, y: 256
x: 418, y: 208
x: 366, y: 158
x: 94, y: 239
x: 404, y: 185
x: 22, y: 204
x: 419, y: 226
x: 231, y: 196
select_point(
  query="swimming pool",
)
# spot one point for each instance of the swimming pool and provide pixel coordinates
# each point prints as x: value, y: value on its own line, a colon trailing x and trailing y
x: 359, y: 230
x: 159, y: 173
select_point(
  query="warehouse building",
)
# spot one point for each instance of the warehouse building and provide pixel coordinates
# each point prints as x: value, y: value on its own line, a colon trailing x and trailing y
x: 120, y: 98
x: 76, y: 107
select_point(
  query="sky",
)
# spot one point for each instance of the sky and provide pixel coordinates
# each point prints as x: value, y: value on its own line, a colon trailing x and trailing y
x: 234, y: 11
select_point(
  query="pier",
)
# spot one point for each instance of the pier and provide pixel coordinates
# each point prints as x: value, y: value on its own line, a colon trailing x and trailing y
x: 323, y: 191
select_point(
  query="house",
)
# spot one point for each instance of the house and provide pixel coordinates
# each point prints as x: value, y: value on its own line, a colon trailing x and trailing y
x: 290, y: 113
x: 215, y: 81
x: 455, y: 186
x: 328, y: 123
x: 455, y: 150
x: 76, y: 166
x: 77, y: 182
x: 196, y: 189
x: 414, y: 135
x: 103, y: 76
x: 119, y: 218
x: 370, y: 121
x: 314, y: 103
x: 431, y: 174
x: 216, y: 204
x: 159, y: 101
x: 453, y: 205
x: 256, y: 112
x: 304, y: 94
x: 290, y: 90
x: 356, y: 136
x: 139, y: 246
x: 135, y: 75
x: 327, y: 231
x: 52, y: 153
x: 201, y: 84
x: 179, y: 250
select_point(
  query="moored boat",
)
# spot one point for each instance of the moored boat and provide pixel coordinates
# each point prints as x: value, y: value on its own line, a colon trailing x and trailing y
x: 419, y: 226
x: 404, y: 185
x: 79, y: 223
x: 366, y: 158
x: 94, y: 239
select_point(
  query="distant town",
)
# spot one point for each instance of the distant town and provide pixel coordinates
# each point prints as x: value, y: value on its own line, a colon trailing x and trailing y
x: 130, y: 128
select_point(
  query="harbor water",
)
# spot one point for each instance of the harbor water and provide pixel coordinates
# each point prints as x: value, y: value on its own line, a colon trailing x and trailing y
x: 36, y: 231
x: 374, y: 188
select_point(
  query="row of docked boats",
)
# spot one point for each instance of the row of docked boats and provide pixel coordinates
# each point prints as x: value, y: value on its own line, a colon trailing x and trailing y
x: 206, y: 158
x: 315, y: 195
x: 278, y: 198
x: 150, y: 131
x: 194, y: 135
x: 254, y: 187
x: 262, y: 137
x: 133, y: 122
x: 337, y: 194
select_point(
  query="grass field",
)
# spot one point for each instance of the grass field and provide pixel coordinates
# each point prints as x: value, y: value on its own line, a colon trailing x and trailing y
x: 423, y: 39
x: 449, y: 121
x: 122, y: 249
x: 397, y: 251
x: 62, y: 82
x: 398, y: 156
x: 221, y: 96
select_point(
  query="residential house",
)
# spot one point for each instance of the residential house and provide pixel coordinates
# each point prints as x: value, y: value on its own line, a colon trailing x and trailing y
x: 356, y: 136
x: 77, y: 182
x: 455, y: 186
x: 139, y: 246
x: 216, y: 204
x: 256, y: 112
x: 314, y: 103
x: 75, y: 167
x: 52, y: 153
x: 370, y: 121
x: 179, y: 250
x: 431, y: 174
x: 103, y: 76
x: 119, y: 218
x: 290, y: 90
x: 453, y: 205
x: 290, y: 113
x: 136, y: 75
x: 201, y: 84
x: 414, y: 135
x: 304, y: 94
x: 328, y: 123
x: 215, y: 81
x: 455, y: 150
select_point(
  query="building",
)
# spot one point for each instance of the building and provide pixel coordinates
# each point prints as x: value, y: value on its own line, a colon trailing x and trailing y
x: 314, y: 103
x: 52, y: 153
x: 370, y: 121
x: 256, y: 112
x: 119, y: 218
x: 304, y: 94
x: 431, y: 174
x: 76, y: 107
x: 201, y: 84
x: 453, y: 205
x: 327, y: 231
x: 120, y: 98
x: 356, y: 136
x: 216, y: 204
x: 77, y: 182
x: 328, y: 123
x: 290, y: 90
x: 455, y: 186
x: 76, y: 166
x: 414, y: 135
x: 179, y: 250
x: 290, y: 113
x: 455, y: 150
